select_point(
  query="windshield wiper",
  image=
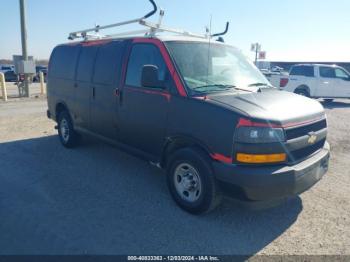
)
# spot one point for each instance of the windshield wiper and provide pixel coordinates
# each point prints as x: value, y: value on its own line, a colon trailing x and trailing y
x: 260, y: 84
x: 215, y: 85
x: 225, y: 87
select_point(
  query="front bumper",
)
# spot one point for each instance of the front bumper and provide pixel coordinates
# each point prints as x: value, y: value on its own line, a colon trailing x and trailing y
x: 260, y: 183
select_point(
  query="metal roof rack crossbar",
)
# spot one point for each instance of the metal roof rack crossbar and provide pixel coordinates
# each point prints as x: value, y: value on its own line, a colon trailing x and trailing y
x: 153, y: 28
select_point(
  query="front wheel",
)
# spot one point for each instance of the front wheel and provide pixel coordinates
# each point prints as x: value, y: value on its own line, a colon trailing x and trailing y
x: 328, y: 100
x: 68, y: 136
x: 191, y: 181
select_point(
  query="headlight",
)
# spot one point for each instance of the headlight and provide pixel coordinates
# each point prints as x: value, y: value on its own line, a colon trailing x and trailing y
x: 246, y: 134
x: 250, y: 132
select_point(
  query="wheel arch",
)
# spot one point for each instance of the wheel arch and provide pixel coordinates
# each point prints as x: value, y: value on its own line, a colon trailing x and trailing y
x: 303, y: 87
x: 60, y: 107
x: 175, y: 143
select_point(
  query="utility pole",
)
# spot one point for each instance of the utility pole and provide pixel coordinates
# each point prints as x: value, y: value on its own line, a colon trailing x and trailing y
x: 24, y: 43
x: 256, y: 48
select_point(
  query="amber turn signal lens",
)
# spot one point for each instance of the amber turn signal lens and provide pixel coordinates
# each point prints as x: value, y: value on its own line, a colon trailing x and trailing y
x: 261, y: 159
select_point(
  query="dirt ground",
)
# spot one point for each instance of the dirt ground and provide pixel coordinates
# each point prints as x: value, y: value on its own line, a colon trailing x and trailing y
x: 97, y: 199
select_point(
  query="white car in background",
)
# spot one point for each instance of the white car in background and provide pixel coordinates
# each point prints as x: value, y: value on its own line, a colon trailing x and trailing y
x: 316, y: 81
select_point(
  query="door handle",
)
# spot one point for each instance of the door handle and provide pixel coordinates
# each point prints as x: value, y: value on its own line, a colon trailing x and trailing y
x: 93, y: 92
x: 119, y: 94
x: 75, y: 85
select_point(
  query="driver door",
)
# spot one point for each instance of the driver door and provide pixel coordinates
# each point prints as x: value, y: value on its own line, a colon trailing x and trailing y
x: 334, y: 82
x: 343, y: 78
x: 143, y: 111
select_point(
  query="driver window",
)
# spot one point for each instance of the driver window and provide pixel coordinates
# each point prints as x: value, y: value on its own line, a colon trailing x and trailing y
x: 339, y: 73
x: 144, y: 54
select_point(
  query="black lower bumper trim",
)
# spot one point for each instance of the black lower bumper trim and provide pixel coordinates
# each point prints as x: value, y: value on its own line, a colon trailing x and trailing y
x: 272, y: 182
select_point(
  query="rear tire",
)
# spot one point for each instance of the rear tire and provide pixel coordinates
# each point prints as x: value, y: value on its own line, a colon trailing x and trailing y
x: 191, y: 181
x: 302, y: 92
x: 68, y: 136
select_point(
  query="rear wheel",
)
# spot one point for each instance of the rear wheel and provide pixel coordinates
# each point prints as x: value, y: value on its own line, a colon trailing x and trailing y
x: 191, y: 181
x: 302, y: 92
x: 68, y: 137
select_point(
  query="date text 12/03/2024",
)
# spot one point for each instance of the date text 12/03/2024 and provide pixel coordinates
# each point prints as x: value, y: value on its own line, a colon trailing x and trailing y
x: 173, y: 258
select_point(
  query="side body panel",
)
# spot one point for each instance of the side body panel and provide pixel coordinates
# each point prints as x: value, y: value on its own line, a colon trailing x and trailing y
x: 106, y: 77
x: 206, y: 124
x: 332, y: 86
x: 297, y: 81
x: 61, y: 74
x: 82, y: 86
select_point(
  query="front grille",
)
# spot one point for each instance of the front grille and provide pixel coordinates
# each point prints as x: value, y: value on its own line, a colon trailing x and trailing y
x: 306, y: 151
x: 296, y: 132
x: 301, y: 131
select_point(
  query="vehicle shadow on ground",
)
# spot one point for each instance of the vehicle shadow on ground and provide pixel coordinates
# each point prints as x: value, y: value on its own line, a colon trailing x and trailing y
x: 335, y: 104
x: 96, y: 199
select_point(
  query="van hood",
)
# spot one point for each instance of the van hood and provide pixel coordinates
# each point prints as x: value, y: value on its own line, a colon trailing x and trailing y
x: 274, y: 105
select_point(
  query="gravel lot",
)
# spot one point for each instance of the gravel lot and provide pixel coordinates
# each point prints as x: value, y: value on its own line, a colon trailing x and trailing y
x: 97, y: 199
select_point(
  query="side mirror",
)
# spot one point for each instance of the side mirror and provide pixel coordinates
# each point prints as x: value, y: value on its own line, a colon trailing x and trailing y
x: 150, y: 77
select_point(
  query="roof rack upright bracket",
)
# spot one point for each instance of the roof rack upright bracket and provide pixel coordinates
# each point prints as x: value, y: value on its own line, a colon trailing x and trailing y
x: 223, y: 33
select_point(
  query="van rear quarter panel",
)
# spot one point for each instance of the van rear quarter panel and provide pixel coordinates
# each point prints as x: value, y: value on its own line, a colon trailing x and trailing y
x: 61, y: 74
x: 209, y: 124
x: 60, y: 91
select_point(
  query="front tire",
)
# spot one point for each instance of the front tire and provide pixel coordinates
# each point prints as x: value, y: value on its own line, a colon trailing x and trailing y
x: 191, y: 181
x: 328, y: 100
x: 68, y: 136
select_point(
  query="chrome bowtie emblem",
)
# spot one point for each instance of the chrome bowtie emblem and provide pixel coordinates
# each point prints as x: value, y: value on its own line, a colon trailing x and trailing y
x: 312, y: 138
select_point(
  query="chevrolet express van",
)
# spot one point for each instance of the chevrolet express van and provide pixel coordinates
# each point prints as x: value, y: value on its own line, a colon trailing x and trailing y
x: 194, y: 107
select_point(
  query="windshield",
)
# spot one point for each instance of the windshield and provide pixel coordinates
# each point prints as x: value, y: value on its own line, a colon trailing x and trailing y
x: 215, y: 67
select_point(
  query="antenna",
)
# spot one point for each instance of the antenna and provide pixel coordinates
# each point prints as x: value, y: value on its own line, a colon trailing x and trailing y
x: 209, y: 48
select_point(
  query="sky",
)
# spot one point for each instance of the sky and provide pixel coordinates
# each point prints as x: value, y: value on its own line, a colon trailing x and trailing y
x: 288, y: 30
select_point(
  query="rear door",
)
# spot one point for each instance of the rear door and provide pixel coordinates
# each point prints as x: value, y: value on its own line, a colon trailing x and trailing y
x: 301, y: 75
x: 103, y: 101
x: 143, y: 111
x: 83, y: 84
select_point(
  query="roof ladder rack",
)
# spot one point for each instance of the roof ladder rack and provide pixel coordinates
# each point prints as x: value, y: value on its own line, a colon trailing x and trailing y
x: 152, y: 28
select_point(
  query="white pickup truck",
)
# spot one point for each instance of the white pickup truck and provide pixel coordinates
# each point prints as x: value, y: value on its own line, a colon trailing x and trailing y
x: 316, y: 81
